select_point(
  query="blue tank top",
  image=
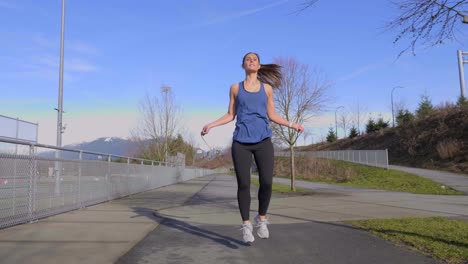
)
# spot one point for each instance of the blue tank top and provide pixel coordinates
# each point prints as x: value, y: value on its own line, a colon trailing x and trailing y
x: 252, y: 123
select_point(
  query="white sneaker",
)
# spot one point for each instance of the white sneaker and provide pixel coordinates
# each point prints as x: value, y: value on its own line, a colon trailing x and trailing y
x: 247, y: 233
x: 262, y: 230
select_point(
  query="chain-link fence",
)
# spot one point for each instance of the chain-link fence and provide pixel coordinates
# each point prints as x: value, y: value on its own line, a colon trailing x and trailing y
x: 15, y: 128
x: 375, y: 158
x: 33, y: 186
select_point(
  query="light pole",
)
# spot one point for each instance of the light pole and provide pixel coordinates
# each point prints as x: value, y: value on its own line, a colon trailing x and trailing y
x: 461, y: 73
x: 60, y: 104
x: 336, y: 122
x: 166, y: 90
x: 393, y: 115
x: 60, y: 95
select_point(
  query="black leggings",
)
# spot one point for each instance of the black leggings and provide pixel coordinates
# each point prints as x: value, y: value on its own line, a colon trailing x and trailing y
x: 242, y: 158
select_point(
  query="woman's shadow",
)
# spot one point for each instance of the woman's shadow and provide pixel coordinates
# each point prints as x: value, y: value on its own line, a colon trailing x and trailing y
x: 166, y: 220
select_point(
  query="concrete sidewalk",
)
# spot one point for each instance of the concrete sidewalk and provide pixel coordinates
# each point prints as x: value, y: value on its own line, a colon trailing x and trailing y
x: 198, y: 222
x: 456, y: 181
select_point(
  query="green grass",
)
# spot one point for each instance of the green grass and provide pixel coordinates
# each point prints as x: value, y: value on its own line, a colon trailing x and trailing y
x: 393, y: 180
x: 442, y: 238
x: 283, y: 188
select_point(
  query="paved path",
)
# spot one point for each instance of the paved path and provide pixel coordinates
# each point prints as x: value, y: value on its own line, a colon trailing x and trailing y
x: 198, y: 222
x: 456, y: 181
x: 304, y: 229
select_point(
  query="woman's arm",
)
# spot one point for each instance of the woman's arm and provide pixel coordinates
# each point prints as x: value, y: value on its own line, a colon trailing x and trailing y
x: 229, y: 116
x: 273, y: 116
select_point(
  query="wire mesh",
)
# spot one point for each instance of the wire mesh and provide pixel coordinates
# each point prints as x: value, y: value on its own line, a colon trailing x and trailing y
x: 34, y: 186
x: 375, y: 158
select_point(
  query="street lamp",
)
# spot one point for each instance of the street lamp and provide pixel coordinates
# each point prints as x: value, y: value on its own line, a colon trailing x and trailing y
x: 461, y: 73
x: 60, y: 96
x: 336, y: 122
x: 60, y: 128
x: 166, y: 89
x: 393, y: 115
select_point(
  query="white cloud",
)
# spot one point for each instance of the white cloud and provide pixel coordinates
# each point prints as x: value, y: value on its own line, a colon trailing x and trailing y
x: 39, y: 40
x: 78, y: 46
x: 86, y: 127
x: 228, y: 17
x: 74, y: 63
x: 359, y: 71
x: 79, y: 66
x: 82, y: 47
x: 366, y: 68
x: 47, y: 67
x: 244, y: 13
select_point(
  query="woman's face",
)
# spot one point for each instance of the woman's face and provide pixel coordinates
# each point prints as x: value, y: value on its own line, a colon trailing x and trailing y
x: 251, y: 63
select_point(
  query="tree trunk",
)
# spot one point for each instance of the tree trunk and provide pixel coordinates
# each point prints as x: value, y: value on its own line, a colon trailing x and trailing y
x: 293, y: 173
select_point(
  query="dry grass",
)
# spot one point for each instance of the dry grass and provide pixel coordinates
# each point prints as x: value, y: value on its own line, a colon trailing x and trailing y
x: 224, y: 160
x: 449, y: 148
x: 313, y: 169
x: 438, y: 141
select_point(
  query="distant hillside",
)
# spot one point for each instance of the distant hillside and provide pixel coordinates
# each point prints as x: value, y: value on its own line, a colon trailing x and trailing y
x: 110, y: 145
x: 212, y: 161
x: 439, y: 141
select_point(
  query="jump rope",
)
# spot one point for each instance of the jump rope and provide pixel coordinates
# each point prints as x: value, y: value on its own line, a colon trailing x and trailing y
x: 211, y: 149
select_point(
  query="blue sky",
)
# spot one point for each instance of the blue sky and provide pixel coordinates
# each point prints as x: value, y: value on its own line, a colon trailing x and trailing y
x: 116, y: 51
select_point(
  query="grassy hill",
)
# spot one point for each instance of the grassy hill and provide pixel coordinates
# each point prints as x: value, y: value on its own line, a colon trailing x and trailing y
x: 439, y: 141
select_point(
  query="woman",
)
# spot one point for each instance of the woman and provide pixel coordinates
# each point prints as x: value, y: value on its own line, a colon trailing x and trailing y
x: 252, y: 102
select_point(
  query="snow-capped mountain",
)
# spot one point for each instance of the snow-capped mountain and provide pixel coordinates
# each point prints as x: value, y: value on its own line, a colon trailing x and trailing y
x: 106, y: 145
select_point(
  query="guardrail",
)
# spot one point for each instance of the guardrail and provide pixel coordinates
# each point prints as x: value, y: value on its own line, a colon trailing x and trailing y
x: 33, y: 186
x: 375, y: 158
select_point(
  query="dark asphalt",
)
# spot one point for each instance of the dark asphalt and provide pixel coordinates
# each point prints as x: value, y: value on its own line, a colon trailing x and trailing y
x: 178, y: 242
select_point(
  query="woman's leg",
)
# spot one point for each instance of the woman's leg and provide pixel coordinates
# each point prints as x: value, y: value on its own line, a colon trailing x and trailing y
x: 264, y: 158
x: 242, y: 159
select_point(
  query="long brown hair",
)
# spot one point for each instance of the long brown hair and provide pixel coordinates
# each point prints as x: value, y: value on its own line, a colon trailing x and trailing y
x: 268, y: 73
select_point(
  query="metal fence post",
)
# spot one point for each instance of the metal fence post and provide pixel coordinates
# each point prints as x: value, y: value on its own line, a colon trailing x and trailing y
x: 79, y: 178
x: 128, y: 176
x: 15, y: 169
x: 142, y: 168
x: 152, y: 174
x: 14, y: 185
x: 17, y: 135
x: 108, y: 177
x: 31, y: 187
x: 386, y: 156
x: 35, y: 172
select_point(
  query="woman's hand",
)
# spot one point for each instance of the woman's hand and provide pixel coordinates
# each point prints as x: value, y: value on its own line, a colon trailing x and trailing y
x: 297, y: 127
x: 205, y: 130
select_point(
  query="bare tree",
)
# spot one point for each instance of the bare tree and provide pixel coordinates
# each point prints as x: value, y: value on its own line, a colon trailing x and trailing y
x: 306, y: 135
x: 301, y: 95
x: 358, y: 114
x: 159, y: 123
x: 401, y: 105
x: 431, y: 22
x: 343, y: 121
